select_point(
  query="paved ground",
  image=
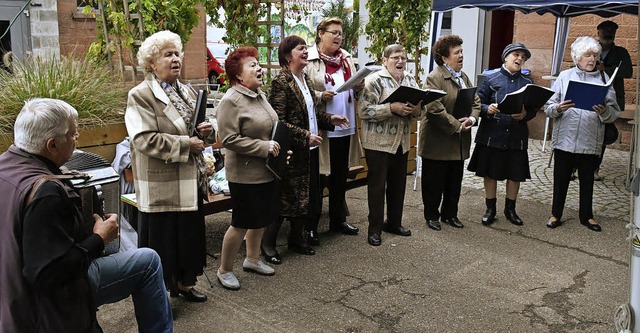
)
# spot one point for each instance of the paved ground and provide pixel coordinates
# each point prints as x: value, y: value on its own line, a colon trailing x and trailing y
x: 501, y: 278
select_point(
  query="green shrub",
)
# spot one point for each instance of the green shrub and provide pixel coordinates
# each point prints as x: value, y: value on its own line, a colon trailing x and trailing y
x: 99, y: 97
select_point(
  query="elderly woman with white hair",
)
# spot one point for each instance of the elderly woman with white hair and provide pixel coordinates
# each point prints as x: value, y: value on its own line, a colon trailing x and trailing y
x: 578, y: 133
x: 168, y: 166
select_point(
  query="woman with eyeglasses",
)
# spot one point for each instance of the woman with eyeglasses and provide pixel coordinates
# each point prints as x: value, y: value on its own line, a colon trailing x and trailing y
x: 445, y: 140
x: 386, y: 132
x: 578, y: 133
x: 329, y: 67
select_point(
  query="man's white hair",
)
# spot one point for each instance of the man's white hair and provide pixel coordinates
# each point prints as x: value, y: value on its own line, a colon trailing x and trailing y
x: 42, y: 119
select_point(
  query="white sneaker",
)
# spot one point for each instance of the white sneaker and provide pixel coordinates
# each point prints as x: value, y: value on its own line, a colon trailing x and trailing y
x: 228, y: 280
x: 260, y: 268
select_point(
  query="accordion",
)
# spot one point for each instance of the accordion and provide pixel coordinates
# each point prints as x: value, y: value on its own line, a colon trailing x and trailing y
x: 99, y: 189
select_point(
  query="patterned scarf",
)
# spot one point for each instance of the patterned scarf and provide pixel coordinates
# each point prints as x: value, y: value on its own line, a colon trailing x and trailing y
x: 333, y: 64
x: 456, y: 75
x: 185, y: 105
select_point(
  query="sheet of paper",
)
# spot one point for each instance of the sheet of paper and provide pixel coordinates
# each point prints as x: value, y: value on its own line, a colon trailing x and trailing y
x: 359, y: 76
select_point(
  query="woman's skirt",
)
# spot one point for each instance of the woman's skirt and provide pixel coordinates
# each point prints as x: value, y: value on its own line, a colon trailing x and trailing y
x: 255, y: 205
x: 500, y: 164
x: 180, y: 240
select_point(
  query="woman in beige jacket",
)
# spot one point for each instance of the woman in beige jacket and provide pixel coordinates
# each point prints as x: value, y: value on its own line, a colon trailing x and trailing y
x: 245, y: 123
x: 386, y: 131
x: 168, y: 166
x: 329, y: 67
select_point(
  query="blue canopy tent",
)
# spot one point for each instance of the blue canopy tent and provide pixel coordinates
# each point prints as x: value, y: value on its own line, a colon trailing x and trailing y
x: 564, y: 11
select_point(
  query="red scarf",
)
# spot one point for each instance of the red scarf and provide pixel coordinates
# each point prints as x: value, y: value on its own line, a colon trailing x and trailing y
x: 333, y: 64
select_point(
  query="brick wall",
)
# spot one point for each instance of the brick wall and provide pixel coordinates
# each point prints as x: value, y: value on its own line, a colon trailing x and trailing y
x: 77, y: 31
x: 537, y: 32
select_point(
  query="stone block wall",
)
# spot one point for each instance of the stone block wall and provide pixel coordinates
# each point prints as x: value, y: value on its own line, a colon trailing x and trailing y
x: 43, y: 22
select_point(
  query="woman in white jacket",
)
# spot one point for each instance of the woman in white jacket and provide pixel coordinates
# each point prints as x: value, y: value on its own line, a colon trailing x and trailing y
x: 578, y: 133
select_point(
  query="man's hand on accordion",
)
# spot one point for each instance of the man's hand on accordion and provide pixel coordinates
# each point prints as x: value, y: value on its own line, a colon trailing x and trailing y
x: 107, y: 229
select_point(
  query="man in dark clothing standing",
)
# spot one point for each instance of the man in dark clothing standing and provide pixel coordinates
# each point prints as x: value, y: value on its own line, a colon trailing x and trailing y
x: 611, y: 57
x: 52, y: 274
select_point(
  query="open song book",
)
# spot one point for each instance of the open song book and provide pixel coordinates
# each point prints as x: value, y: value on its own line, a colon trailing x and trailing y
x: 530, y: 96
x: 411, y: 95
x: 587, y: 94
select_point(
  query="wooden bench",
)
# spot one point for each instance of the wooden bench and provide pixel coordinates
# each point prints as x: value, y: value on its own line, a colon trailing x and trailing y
x: 217, y: 203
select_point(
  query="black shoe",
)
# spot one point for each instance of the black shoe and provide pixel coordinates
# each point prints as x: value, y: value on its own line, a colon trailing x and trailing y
x: 453, y: 221
x: 302, y: 249
x: 398, y: 230
x: 374, y: 240
x: 489, y: 216
x: 591, y: 226
x: 510, y: 212
x: 312, y: 237
x: 434, y: 224
x: 344, y: 228
x: 275, y: 259
x: 553, y: 224
x: 193, y: 295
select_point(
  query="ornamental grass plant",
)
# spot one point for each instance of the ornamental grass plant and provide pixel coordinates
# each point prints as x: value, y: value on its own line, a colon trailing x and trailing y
x: 99, y: 96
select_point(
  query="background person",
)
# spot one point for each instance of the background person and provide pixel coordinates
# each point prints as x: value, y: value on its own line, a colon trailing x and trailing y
x: 386, y: 135
x: 329, y: 67
x: 444, y: 140
x: 293, y: 98
x: 169, y: 170
x: 245, y: 122
x: 502, y: 139
x: 611, y: 57
x: 578, y: 134
x: 53, y: 275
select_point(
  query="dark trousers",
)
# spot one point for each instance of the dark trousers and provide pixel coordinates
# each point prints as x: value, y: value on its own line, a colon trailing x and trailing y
x: 339, y: 161
x: 387, y: 174
x: 315, y: 198
x: 441, y: 182
x: 562, y: 167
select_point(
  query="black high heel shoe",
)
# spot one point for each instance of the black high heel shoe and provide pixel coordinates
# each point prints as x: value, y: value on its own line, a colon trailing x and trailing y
x: 301, y: 249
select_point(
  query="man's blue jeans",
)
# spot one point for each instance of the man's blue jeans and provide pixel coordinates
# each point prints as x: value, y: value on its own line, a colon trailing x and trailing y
x: 137, y: 273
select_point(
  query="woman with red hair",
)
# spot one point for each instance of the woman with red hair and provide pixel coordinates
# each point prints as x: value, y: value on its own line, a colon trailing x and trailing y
x: 245, y: 121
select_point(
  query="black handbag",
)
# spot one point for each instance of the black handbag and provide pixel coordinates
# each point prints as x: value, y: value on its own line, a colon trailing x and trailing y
x: 610, y: 133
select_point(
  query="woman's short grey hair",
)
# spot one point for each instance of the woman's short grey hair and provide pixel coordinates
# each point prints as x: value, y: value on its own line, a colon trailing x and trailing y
x: 583, y: 45
x: 393, y: 48
x: 150, y: 49
x: 42, y: 119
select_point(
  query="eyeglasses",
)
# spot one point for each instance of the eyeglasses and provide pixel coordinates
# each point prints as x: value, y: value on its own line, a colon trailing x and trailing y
x: 335, y: 32
x: 398, y: 58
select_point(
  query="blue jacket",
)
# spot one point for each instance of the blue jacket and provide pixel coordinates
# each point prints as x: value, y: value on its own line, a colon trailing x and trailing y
x: 501, y: 131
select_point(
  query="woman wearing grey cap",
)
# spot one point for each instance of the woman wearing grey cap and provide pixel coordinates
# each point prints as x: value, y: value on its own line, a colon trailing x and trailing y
x: 578, y: 133
x: 501, y: 141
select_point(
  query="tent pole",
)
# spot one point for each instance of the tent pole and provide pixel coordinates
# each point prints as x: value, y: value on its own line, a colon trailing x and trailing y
x: 634, y: 269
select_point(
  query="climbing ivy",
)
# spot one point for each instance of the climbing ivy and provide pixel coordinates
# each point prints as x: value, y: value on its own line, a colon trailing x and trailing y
x: 398, y: 21
x: 178, y: 16
x: 240, y: 18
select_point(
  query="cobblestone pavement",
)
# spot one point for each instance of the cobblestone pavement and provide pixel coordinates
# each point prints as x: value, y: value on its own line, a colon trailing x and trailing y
x: 610, y: 198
